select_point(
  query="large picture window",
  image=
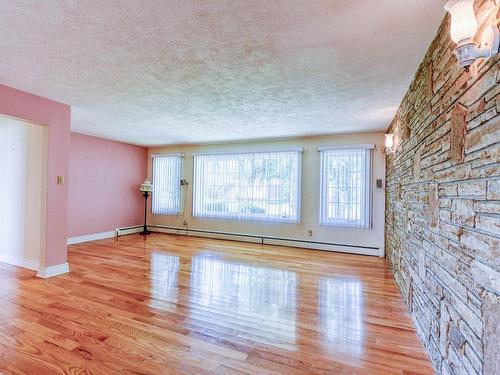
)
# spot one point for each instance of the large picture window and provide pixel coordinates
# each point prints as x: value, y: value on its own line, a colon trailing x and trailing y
x: 263, y: 186
x: 346, y: 187
x: 166, y: 184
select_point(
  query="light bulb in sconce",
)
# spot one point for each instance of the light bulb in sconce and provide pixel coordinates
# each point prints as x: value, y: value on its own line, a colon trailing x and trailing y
x: 389, y: 143
x: 463, y: 28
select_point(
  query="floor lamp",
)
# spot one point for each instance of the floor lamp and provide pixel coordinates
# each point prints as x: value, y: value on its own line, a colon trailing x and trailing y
x: 146, y: 188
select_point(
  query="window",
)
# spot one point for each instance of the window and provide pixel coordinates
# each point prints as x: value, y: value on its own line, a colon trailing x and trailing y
x: 166, y: 184
x: 262, y: 186
x: 346, y: 187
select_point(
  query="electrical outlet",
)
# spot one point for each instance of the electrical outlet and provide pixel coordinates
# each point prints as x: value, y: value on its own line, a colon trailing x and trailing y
x: 185, y: 223
x: 310, y: 233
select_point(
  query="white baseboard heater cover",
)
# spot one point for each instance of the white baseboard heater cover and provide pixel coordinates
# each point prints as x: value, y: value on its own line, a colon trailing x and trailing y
x: 266, y: 240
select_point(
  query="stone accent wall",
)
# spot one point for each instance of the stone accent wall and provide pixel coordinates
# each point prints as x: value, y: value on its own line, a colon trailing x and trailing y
x: 443, y: 206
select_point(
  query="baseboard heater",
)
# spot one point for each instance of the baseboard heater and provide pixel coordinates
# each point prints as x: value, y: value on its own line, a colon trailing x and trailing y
x: 128, y: 230
x: 269, y: 240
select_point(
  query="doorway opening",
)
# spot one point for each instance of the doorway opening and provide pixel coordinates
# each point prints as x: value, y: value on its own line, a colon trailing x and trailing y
x: 23, y: 192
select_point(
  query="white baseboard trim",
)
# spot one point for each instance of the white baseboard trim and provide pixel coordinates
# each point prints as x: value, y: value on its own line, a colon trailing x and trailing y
x: 19, y: 262
x: 270, y: 241
x: 91, y: 237
x: 104, y: 235
x: 47, y: 272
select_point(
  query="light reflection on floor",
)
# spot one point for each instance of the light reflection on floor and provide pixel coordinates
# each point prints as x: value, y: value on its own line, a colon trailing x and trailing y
x: 340, y: 311
x: 233, y: 294
x: 164, y: 280
x: 241, y: 293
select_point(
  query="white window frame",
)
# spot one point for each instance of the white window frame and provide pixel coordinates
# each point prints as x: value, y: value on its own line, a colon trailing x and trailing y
x: 156, y: 208
x: 240, y: 217
x: 365, y: 222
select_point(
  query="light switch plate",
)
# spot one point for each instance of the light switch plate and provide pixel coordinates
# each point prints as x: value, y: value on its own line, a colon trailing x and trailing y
x: 60, y: 180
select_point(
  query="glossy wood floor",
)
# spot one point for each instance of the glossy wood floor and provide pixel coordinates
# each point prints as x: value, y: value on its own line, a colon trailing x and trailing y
x: 169, y: 305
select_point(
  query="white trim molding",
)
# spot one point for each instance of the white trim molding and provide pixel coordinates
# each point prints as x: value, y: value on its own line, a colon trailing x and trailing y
x: 91, y: 237
x: 257, y: 151
x: 104, y: 235
x: 175, y: 154
x: 46, y: 272
x: 19, y: 262
x: 369, y: 146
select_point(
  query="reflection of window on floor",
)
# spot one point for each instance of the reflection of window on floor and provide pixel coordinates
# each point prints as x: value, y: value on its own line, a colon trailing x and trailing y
x: 259, y: 302
x: 341, y: 313
x: 164, y: 279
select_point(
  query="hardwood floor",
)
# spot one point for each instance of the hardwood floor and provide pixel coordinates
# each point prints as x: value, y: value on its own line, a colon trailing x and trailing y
x: 172, y: 304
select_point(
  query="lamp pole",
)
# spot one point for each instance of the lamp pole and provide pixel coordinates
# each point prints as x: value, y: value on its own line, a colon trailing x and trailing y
x: 145, y: 230
x: 146, y: 188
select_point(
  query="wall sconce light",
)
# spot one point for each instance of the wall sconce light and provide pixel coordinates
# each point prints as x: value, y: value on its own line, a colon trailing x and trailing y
x: 389, y: 143
x: 464, y: 28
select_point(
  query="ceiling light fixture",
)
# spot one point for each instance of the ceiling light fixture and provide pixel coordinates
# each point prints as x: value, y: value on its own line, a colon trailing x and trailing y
x: 464, y: 28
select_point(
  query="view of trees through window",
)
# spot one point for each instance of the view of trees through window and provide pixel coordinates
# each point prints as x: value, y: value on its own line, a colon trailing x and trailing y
x: 345, y: 188
x: 252, y: 186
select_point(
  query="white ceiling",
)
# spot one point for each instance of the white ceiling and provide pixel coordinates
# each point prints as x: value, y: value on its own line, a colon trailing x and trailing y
x: 187, y: 71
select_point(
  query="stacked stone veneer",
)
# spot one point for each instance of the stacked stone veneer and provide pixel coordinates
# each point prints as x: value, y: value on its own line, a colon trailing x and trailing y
x: 443, y: 205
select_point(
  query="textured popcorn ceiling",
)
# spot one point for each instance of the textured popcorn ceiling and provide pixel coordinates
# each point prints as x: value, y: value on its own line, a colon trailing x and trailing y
x: 161, y: 72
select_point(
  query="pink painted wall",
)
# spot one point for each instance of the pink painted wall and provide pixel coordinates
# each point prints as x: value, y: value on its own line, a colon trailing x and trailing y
x: 104, y: 179
x: 57, y: 117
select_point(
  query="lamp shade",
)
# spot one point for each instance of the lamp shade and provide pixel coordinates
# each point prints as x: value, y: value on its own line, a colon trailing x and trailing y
x: 389, y: 141
x: 146, y: 186
x: 463, y: 19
